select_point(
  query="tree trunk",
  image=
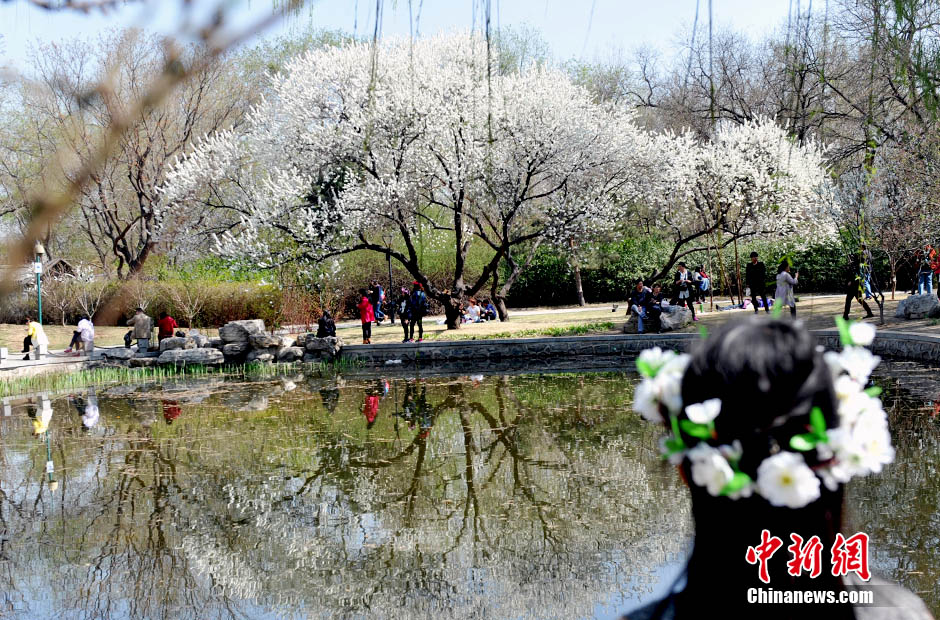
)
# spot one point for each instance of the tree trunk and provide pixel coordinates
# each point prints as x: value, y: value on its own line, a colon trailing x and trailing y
x: 452, y: 313
x: 576, y: 265
x: 500, y: 302
x: 893, y: 264
x: 737, y: 268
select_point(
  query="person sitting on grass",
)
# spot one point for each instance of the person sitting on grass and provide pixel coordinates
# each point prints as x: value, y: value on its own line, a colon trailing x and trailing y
x: 489, y: 311
x: 35, y: 337
x: 766, y: 430
x: 474, y: 311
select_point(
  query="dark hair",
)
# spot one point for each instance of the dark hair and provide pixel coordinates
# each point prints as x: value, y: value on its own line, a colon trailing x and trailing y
x: 326, y: 315
x: 29, y: 318
x: 753, y: 254
x: 139, y: 309
x: 784, y: 265
x: 638, y: 281
x: 363, y: 292
x: 163, y: 315
x: 681, y: 264
x: 769, y: 376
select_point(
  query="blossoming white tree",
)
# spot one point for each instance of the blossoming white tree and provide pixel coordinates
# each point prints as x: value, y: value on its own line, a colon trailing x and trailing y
x: 359, y: 148
x: 750, y: 179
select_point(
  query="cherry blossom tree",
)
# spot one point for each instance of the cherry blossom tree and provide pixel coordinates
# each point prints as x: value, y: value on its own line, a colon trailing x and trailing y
x: 751, y: 179
x: 382, y: 148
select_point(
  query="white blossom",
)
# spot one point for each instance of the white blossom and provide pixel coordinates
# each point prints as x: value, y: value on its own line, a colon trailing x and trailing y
x: 710, y: 469
x: 784, y: 479
x: 862, y: 334
x: 704, y: 412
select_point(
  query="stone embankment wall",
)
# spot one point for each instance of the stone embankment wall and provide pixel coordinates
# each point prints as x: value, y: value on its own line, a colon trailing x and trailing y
x: 586, y: 352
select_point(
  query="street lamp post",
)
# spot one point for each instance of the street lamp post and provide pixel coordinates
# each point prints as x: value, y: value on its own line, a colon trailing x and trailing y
x: 39, y: 251
x: 388, y: 293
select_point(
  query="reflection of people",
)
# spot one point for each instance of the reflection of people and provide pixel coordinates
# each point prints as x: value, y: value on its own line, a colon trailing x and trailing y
x: 41, y: 416
x: 370, y: 408
x: 415, y: 409
x: 90, y: 412
x: 171, y: 411
x: 330, y: 398
x: 756, y: 386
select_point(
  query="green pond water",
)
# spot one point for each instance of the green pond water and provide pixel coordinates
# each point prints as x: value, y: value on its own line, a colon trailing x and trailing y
x: 515, y: 496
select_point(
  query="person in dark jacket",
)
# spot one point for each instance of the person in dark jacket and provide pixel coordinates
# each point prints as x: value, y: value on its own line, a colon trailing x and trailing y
x: 854, y: 286
x: 418, y: 308
x: 755, y: 277
x: 326, y: 327
x: 640, y: 300
x: 403, y: 304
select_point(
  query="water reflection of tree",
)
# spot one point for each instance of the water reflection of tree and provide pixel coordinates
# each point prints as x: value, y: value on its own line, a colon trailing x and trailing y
x: 516, y: 498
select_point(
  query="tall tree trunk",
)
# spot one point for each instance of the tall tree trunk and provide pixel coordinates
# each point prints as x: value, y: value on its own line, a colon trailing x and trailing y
x: 452, y: 312
x: 737, y: 267
x: 576, y: 265
x: 893, y: 265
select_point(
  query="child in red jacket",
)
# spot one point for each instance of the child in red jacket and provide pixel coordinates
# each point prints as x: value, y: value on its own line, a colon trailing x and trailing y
x: 366, y: 315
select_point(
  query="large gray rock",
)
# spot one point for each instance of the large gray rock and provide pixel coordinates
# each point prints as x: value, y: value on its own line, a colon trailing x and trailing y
x: 322, y: 348
x: 143, y: 362
x: 264, y: 340
x: 671, y: 321
x: 290, y: 354
x: 289, y: 341
x: 206, y: 357
x: 235, y: 349
x: 240, y: 331
x: 918, y: 307
x: 169, y: 344
x: 301, y: 340
x: 260, y: 356
x: 118, y: 354
x: 214, y: 343
x: 199, y: 338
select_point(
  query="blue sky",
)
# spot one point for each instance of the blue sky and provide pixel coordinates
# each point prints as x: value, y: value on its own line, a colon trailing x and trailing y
x: 571, y: 27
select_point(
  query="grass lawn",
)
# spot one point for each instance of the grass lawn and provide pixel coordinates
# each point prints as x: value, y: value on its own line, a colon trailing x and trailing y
x: 816, y: 312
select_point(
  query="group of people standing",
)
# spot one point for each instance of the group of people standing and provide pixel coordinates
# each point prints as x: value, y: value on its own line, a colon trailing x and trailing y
x: 411, y: 306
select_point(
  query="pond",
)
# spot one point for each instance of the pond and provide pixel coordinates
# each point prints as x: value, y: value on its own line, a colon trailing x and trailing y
x: 512, y: 496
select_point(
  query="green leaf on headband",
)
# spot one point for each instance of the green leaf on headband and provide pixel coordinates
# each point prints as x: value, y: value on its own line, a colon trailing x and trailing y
x: 845, y: 336
x: 777, y: 311
x: 817, y: 421
x: 673, y: 446
x: 804, y: 442
x: 645, y: 369
x: 874, y: 391
x: 701, y: 431
x: 738, y: 482
x: 702, y: 332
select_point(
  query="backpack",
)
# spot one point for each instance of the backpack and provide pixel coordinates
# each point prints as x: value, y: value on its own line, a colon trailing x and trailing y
x: 419, y: 303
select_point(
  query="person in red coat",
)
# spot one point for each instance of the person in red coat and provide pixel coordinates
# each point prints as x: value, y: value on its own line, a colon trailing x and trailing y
x: 167, y: 326
x: 366, y: 315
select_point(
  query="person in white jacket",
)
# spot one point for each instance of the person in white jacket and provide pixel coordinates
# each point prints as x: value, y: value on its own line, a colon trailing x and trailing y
x: 785, y: 284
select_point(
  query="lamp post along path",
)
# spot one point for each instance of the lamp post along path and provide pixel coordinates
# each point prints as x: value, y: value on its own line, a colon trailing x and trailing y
x: 37, y: 267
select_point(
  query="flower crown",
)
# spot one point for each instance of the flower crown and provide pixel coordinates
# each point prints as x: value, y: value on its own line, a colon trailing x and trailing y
x: 859, y: 445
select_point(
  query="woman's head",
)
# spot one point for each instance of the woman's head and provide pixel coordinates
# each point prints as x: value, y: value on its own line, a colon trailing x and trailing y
x: 364, y: 292
x: 784, y: 266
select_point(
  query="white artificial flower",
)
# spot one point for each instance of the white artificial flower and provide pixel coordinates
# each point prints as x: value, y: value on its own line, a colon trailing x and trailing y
x: 732, y: 452
x: 784, y: 479
x: 676, y: 366
x: 710, y: 469
x: 646, y: 401
x: 656, y: 358
x: 862, y: 334
x: 851, y: 408
x: 846, y: 387
x: 858, y: 362
x: 863, y: 450
x: 704, y: 412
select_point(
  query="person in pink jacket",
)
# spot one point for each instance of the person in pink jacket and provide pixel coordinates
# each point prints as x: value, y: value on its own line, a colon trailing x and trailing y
x: 366, y: 315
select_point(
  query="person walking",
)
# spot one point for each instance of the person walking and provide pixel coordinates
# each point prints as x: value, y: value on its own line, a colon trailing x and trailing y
x: 35, y: 337
x: 865, y: 270
x: 854, y: 287
x: 404, y: 311
x: 685, y: 282
x: 418, y: 309
x: 755, y: 277
x: 366, y: 316
x: 785, y: 284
